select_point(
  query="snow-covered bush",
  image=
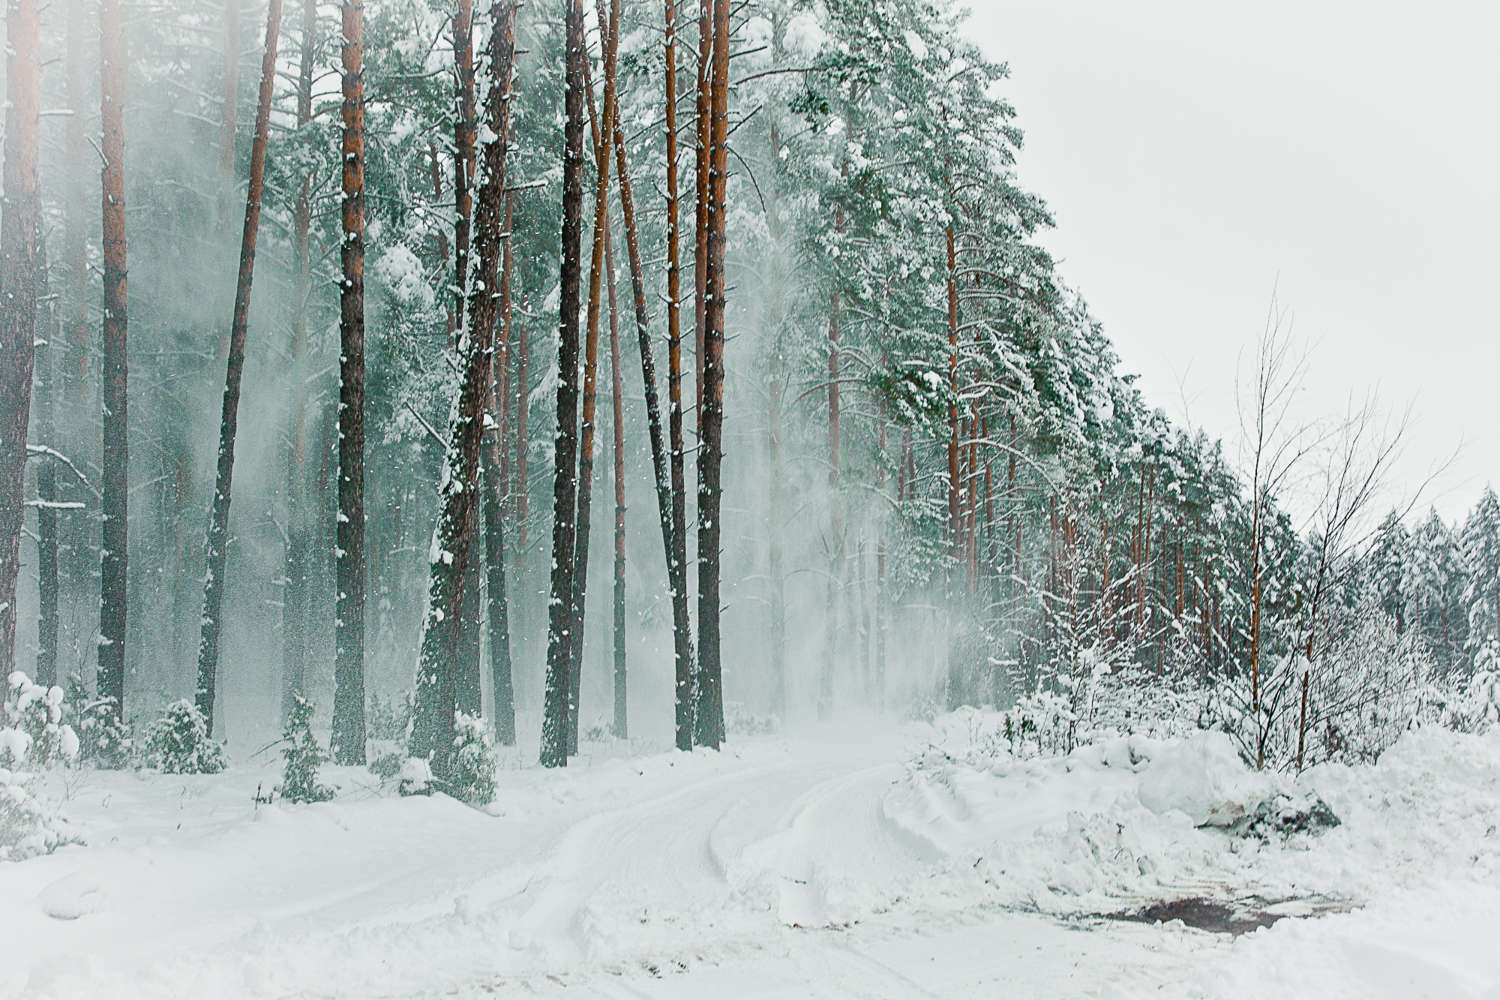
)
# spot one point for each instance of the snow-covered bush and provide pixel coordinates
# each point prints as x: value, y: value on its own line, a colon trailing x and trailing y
x: 178, y: 743
x: 1040, y: 725
x: 33, y: 716
x: 28, y: 825
x: 473, y: 778
x: 104, y: 740
x: 299, y: 782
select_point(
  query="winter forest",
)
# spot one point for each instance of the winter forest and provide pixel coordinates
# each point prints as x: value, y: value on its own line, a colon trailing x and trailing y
x: 679, y: 394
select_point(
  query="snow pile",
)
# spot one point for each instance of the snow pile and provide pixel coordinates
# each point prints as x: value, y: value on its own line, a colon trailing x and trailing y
x: 1128, y: 820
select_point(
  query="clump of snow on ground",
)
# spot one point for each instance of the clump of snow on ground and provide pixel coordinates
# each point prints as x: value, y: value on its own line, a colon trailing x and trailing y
x: 1127, y: 820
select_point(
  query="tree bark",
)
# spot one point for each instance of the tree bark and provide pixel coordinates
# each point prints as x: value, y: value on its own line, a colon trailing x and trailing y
x: 564, y: 486
x: 347, y: 742
x: 836, y: 507
x: 603, y: 134
x: 294, y: 598
x: 778, y: 581
x: 115, y: 467
x: 45, y: 673
x: 710, y: 709
x: 676, y: 538
x: 453, y: 555
x: 701, y: 163
x: 18, y: 276
x: 621, y: 722
x: 497, y: 481
x: 75, y: 232
x: 216, y: 545
x: 464, y: 130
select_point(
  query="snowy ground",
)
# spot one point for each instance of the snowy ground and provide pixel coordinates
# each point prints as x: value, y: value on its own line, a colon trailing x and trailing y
x: 851, y: 861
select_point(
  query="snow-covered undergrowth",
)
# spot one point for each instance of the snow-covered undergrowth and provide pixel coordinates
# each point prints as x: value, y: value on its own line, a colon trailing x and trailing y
x: 32, y: 735
x: 1121, y: 821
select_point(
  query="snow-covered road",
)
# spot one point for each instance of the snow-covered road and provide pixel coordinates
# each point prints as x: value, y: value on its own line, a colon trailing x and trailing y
x: 770, y: 870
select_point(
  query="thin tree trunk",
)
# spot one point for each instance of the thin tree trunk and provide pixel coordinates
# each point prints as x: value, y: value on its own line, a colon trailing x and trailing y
x: 216, y: 544
x: 18, y: 277
x: 621, y: 723
x: 115, y: 467
x: 836, y: 508
x: 565, y: 483
x: 953, y: 478
x: 45, y: 673
x: 682, y: 639
x: 701, y: 163
x: 603, y: 135
x: 454, y: 556
x: 778, y: 581
x: 465, y: 128
x: 75, y: 232
x: 347, y: 742
x: 294, y: 607
x: 709, y: 714
x: 521, y: 489
x: 497, y: 482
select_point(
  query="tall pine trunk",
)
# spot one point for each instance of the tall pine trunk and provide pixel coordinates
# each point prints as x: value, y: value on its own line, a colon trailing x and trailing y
x: 709, y: 713
x: 778, y: 583
x: 621, y: 725
x: 497, y: 482
x: 294, y: 598
x: 46, y: 482
x: 465, y: 128
x: 115, y: 467
x: 676, y: 537
x: 216, y: 544
x: 347, y: 742
x: 554, y: 751
x: 603, y: 136
x: 18, y: 276
x: 454, y: 556
x: 75, y: 224
x: 668, y: 500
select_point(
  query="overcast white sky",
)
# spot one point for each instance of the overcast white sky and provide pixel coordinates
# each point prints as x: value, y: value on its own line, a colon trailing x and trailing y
x: 1197, y: 155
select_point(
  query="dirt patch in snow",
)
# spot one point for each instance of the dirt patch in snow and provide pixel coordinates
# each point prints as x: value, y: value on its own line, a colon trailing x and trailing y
x: 1234, y: 916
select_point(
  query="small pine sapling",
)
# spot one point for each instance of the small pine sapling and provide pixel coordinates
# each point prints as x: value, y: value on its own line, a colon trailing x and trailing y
x: 303, y: 757
x: 473, y: 778
x: 178, y: 743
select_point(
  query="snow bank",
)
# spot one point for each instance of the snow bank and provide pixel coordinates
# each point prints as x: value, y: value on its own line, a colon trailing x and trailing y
x: 1124, y: 821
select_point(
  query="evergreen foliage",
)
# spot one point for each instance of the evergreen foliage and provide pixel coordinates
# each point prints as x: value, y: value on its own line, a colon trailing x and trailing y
x: 178, y: 743
x: 303, y: 757
x: 473, y: 769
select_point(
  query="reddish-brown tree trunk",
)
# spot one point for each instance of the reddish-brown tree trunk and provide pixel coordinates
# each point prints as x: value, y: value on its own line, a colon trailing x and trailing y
x: 115, y: 472
x: 348, y: 740
x: 603, y: 136
x: 682, y: 649
x: 709, y: 713
x: 216, y: 545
